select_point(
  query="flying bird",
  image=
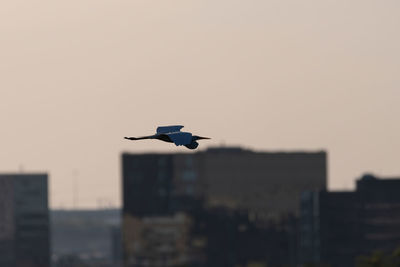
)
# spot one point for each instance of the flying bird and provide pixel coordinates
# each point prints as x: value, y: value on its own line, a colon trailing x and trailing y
x: 173, y: 134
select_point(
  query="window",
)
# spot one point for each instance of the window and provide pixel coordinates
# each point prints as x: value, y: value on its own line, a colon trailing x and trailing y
x: 189, y: 175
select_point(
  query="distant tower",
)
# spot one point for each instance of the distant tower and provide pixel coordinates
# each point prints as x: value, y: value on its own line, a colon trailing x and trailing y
x: 24, y: 220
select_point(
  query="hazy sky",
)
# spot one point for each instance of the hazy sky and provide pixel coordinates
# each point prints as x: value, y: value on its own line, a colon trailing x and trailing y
x: 76, y: 76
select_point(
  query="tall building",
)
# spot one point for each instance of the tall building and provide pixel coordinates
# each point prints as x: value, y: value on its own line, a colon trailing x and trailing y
x: 337, y: 227
x: 182, y: 190
x: 267, y: 184
x: 24, y: 220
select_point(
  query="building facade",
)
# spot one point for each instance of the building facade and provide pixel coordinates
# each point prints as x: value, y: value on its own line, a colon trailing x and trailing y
x: 24, y: 220
x: 245, y: 189
x: 338, y: 227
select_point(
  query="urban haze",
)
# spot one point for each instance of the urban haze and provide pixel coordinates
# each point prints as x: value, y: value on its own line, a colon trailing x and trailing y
x: 300, y: 100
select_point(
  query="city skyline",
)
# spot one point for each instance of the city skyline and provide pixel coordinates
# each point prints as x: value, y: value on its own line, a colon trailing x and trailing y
x: 266, y: 75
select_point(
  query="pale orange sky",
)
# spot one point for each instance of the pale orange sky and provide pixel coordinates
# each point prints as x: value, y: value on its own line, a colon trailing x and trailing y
x: 77, y: 76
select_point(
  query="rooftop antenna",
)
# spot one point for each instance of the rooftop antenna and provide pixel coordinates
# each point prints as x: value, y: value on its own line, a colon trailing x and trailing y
x: 75, y: 188
x: 21, y: 168
x: 100, y: 203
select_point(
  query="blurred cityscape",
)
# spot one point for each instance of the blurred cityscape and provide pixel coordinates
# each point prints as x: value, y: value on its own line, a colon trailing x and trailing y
x: 224, y: 206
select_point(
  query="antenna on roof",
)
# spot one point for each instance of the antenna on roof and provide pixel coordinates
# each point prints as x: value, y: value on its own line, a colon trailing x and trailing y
x: 75, y: 189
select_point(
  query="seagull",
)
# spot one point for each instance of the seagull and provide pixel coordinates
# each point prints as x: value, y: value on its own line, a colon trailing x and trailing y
x: 173, y: 134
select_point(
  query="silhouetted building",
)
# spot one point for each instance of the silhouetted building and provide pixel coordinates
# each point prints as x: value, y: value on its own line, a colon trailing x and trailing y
x: 337, y: 227
x: 266, y: 184
x: 234, y: 185
x: 24, y: 220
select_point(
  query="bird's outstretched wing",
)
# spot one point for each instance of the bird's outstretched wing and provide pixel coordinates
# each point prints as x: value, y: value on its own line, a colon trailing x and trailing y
x: 169, y: 129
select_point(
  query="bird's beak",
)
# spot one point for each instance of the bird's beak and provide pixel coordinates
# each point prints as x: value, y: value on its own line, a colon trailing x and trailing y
x: 201, y: 137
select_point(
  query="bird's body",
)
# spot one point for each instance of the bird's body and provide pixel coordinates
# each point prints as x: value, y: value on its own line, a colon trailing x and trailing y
x: 173, y: 134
